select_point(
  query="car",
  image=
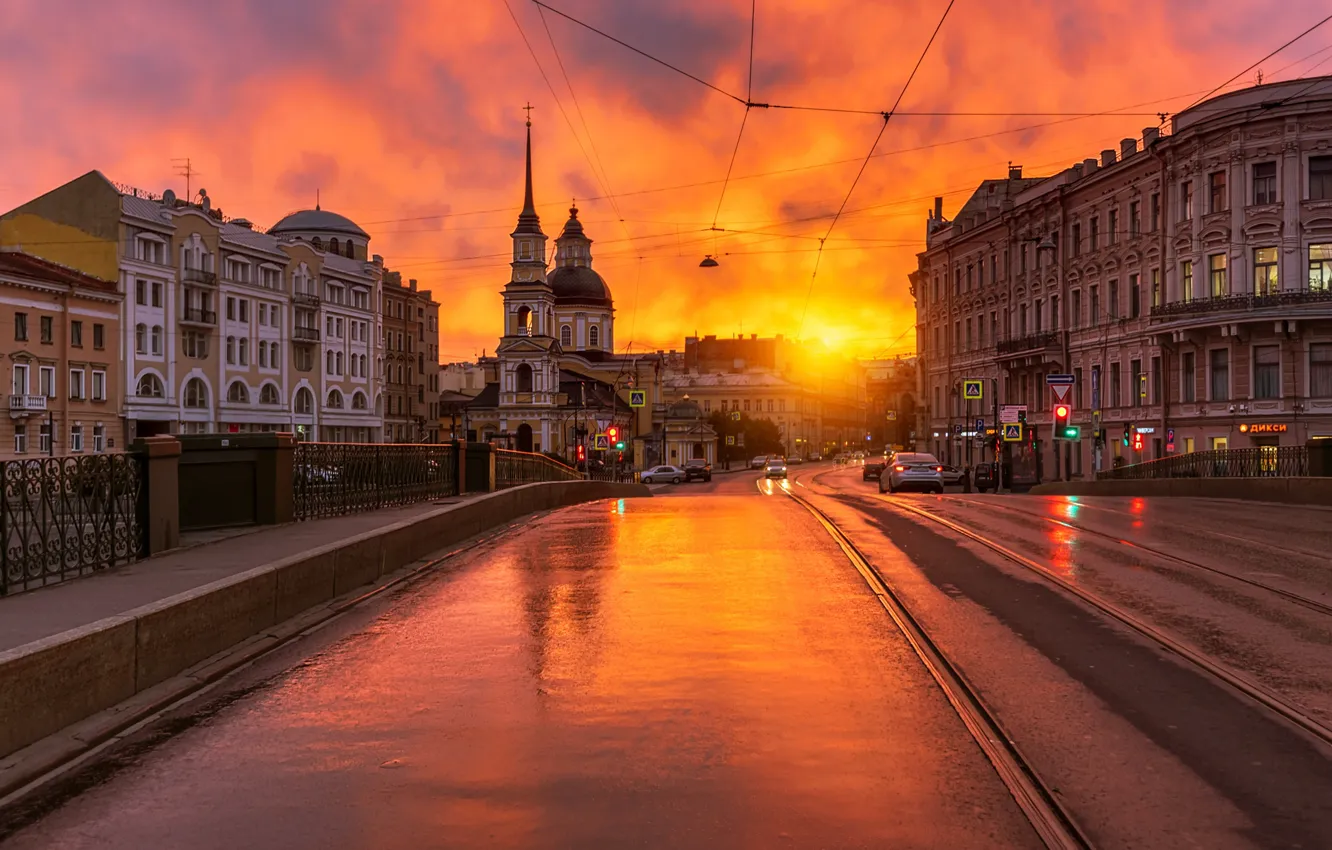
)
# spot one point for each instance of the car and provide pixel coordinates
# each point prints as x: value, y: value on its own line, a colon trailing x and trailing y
x: 815, y: 458
x: 698, y: 469
x: 873, y: 469
x: 758, y: 462
x: 776, y: 468
x: 912, y: 471
x: 794, y: 461
x: 983, y: 477
x: 952, y: 475
x: 660, y: 474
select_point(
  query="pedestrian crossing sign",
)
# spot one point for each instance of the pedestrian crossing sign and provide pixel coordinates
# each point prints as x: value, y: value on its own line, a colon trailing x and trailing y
x: 973, y: 389
x: 601, y: 442
x: 638, y: 398
x: 730, y: 439
x: 1013, y: 432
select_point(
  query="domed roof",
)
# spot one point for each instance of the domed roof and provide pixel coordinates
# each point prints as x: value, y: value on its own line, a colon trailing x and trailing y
x: 685, y: 408
x: 318, y: 219
x: 579, y: 284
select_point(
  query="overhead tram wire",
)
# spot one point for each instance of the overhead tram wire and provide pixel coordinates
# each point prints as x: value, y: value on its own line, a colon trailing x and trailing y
x: 1259, y: 62
x: 887, y: 116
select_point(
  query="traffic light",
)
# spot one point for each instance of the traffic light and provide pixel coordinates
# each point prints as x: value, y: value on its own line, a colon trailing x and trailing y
x: 1137, y: 441
x: 1128, y: 434
x: 582, y: 453
x: 613, y: 433
x: 619, y: 447
x: 1061, y: 414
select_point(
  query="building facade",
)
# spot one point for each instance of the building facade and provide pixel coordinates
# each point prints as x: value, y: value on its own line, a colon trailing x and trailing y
x: 224, y: 329
x: 62, y: 358
x: 411, y: 365
x: 1183, y: 280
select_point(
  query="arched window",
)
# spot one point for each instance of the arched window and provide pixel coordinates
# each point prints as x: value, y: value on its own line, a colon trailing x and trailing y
x: 150, y: 386
x: 566, y: 335
x: 269, y: 395
x: 263, y: 353
x: 523, y: 376
x: 351, y: 252
x: 157, y: 339
x: 317, y: 243
x: 358, y: 401
x: 594, y: 337
x: 333, y: 247
x: 304, y: 400
x: 273, y: 355
x: 238, y: 392
x: 339, y: 363
x: 524, y: 321
x: 362, y: 356
x: 244, y: 351
x: 335, y: 399
x: 328, y: 362
x: 141, y: 338
x: 195, y: 393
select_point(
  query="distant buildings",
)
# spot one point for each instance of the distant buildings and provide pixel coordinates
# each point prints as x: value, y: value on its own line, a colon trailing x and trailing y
x: 1185, y: 284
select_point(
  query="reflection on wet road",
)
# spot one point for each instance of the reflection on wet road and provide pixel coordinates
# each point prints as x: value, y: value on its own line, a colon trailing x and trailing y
x: 666, y: 672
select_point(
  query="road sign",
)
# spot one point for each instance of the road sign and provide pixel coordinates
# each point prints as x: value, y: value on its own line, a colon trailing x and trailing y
x: 1061, y: 391
x: 735, y: 415
x: 1059, y: 380
x: 892, y: 416
x: 1096, y: 420
x: 973, y: 389
x: 1008, y: 413
x: 601, y: 442
x: 740, y: 440
x: 1170, y: 439
x: 1012, y: 432
x: 638, y: 398
x: 730, y: 439
x: 980, y: 424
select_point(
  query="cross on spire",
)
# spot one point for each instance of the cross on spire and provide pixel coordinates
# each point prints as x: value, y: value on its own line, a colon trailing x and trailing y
x: 528, y: 109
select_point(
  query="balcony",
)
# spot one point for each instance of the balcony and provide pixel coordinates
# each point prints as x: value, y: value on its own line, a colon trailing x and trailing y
x: 1030, y: 342
x: 22, y: 405
x: 300, y: 334
x: 198, y: 316
x: 1242, y: 304
x: 199, y: 276
x: 305, y: 299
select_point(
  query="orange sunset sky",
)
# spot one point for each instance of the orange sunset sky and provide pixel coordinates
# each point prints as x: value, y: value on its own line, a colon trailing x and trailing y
x: 406, y: 116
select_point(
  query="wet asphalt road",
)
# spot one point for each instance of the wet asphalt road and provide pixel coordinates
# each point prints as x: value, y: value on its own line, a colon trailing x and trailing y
x: 702, y: 669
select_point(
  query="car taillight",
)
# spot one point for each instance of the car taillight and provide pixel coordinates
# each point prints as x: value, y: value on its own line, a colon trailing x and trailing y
x: 938, y: 469
x: 900, y: 468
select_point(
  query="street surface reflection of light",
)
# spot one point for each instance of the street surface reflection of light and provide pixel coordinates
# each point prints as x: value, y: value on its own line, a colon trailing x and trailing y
x: 786, y: 485
x: 1137, y: 506
x: 619, y: 507
x: 1069, y: 509
x: 1063, y: 541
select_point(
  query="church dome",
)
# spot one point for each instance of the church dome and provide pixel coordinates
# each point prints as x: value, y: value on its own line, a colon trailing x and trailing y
x: 685, y: 408
x: 579, y: 285
x: 306, y: 221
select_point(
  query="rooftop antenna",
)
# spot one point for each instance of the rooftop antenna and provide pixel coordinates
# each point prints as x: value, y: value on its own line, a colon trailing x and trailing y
x: 316, y: 199
x: 185, y: 169
x: 1259, y: 76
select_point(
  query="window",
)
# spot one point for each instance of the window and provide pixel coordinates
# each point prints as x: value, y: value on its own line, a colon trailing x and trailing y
x: 195, y: 344
x: 970, y: 275
x: 1266, y: 371
x: 76, y: 384
x: 46, y: 381
x: 1095, y: 306
x: 1156, y: 380
x: 99, y: 438
x: 231, y: 350
x: 44, y: 438
x: 238, y: 393
x: 76, y: 334
x: 994, y: 269
x: 1216, y: 273
x: 328, y: 362
x: 243, y: 351
x: 1186, y: 200
x: 76, y: 438
x: 150, y: 386
x: 20, y: 438
x: 1135, y: 297
x: 338, y: 363
x: 1320, y: 267
x: 1216, y: 183
x: 48, y: 329
x: 141, y: 293
x: 157, y: 294
x: 99, y: 336
x: 746, y: 405
x: 594, y: 337
x: 1156, y: 287
x: 1095, y: 240
x: 157, y: 339
x: 1320, y: 178
x: 1265, y: 271
x: 1135, y: 217
x: 358, y: 401
x: 1220, y: 374
x: 268, y: 394
x: 1077, y: 382
x: 1113, y: 234
x: 21, y: 327
x: 263, y: 353
x: 1038, y: 315
x: 969, y: 340
x: 1320, y: 370
x: 1075, y: 312
x: 1112, y: 307
x: 1076, y: 247
x: 335, y: 400
x: 1186, y: 280
x: 141, y: 338
x: 1022, y: 321
x: 1116, y: 386
x: 1138, y: 387
x: 98, y: 385
x: 1264, y: 183
x: 994, y: 327
x: 195, y: 393
x: 1156, y: 211
x: 231, y: 308
x: 20, y: 379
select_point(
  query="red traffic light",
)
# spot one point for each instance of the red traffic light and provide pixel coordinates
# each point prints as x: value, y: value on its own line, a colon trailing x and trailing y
x: 612, y: 432
x: 582, y: 452
x: 1061, y: 411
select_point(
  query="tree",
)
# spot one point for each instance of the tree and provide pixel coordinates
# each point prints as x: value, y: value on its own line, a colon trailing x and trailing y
x: 761, y: 436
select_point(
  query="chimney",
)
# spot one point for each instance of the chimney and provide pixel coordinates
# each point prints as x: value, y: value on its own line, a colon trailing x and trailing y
x: 1077, y: 171
x: 1014, y: 172
x: 1088, y: 166
x: 377, y: 260
x: 411, y: 284
x: 1127, y: 148
x: 753, y: 336
x: 1149, y: 137
x: 1107, y: 157
x: 938, y: 209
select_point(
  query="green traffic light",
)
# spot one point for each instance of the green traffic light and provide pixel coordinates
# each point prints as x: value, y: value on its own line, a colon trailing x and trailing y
x: 619, y: 447
x: 1072, y: 432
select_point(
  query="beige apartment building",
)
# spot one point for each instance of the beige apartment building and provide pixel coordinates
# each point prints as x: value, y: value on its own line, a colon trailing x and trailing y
x: 224, y: 328
x: 60, y: 340
x: 1184, y: 281
x: 410, y: 322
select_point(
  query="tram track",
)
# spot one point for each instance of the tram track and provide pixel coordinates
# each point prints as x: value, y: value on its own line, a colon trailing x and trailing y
x: 1035, y: 797
x: 1292, y: 596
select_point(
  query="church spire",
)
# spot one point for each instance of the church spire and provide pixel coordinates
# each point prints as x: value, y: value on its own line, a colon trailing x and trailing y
x: 528, y: 220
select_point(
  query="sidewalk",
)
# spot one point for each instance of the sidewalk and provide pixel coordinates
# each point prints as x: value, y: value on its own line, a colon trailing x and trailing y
x: 205, y: 557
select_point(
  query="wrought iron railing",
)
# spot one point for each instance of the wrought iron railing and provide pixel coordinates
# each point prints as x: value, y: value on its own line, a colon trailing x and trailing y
x: 608, y: 474
x: 332, y: 479
x: 1227, y: 303
x: 1259, y: 462
x: 199, y: 276
x: 515, y: 468
x: 1030, y: 342
x: 64, y: 517
x: 199, y: 316
x: 301, y: 334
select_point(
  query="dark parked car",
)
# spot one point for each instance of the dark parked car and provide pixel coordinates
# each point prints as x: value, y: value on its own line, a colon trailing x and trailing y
x: 873, y: 469
x: 699, y: 470
x: 983, y: 477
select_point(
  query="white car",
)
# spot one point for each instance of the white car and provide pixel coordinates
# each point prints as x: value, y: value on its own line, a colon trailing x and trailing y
x: 951, y: 475
x: 912, y: 471
x: 776, y: 468
x: 660, y: 474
